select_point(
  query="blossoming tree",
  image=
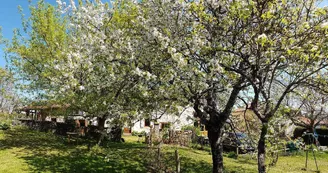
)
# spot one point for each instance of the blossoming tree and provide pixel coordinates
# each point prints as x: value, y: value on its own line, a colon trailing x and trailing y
x: 84, y: 55
x: 223, y: 47
x: 128, y: 57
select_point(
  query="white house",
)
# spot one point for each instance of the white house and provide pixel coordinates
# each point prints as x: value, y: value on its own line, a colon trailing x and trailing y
x: 175, y: 122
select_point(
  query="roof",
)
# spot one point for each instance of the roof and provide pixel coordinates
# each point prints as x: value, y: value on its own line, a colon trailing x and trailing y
x: 33, y: 107
x: 308, y: 120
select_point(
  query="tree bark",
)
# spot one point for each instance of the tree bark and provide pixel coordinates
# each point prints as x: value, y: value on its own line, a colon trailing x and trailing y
x: 117, y: 134
x: 215, y: 137
x: 101, y: 128
x: 101, y: 123
x: 217, y: 120
x: 261, y: 149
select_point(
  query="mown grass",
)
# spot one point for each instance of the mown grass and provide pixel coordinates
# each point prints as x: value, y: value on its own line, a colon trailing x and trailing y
x: 23, y: 150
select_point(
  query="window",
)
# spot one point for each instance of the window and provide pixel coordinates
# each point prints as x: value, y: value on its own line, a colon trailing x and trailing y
x: 196, y: 123
x: 82, y: 123
x: 165, y: 125
x: 202, y: 127
x: 147, y: 122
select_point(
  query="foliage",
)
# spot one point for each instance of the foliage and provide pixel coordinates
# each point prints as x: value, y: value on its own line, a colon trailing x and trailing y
x: 109, y: 60
x: 232, y: 155
x: 156, y: 162
x: 135, y: 133
x: 7, y: 117
x: 4, y: 126
x: 128, y: 58
x: 276, y: 138
x: 6, y: 120
x: 195, y: 130
x: 233, y: 45
x: 166, y: 134
x: 307, y: 108
x: 275, y: 63
x: 91, y: 61
x: 8, y: 97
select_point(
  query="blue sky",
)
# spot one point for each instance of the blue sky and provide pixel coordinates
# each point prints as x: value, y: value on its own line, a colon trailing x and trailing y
x: 11, y: 19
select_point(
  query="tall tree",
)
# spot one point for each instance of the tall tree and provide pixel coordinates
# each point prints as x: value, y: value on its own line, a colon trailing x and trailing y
x: 216, y: 47
x: 287, y: 48
x: 89, y: 61
x: 183, y: 46
x: 119, y: 59
x: 33, y: 52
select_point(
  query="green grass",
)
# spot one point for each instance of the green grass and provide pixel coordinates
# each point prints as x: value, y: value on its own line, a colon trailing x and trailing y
x: 23, y: 151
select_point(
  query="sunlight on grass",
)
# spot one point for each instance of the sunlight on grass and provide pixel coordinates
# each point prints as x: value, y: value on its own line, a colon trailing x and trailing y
x: 23, y: 150
x: 11, y: 163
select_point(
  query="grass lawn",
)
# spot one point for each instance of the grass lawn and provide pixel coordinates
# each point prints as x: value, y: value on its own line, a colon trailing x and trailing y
x: 23, y: 150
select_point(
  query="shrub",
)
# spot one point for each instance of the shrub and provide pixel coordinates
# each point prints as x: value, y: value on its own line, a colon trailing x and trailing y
x: 134, y: 133
x: 195, y: 130
x: 4, y: 126
x: 6, y: 118
x: 232, y: 155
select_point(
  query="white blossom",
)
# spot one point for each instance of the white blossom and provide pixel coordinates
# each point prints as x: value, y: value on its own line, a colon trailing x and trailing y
x: 324, y: 25
x: 262, y: 36
x: 81, y: 88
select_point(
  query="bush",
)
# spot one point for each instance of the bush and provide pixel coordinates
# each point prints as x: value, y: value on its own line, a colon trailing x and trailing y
x: 4, y: 126
x: 195, y: 130
x: 6, y: 118
x: 232, y: 155
x: 134, y: 133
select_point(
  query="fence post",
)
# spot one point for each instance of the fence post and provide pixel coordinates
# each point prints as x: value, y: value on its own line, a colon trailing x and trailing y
x: 158, y: 153
x: 159, y: 158
x: 177, y: 161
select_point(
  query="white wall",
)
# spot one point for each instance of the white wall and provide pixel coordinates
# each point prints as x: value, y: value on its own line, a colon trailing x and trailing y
x: 177, y: 122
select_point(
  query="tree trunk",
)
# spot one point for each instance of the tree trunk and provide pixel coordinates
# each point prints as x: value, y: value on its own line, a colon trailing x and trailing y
x: 261, y: 149
x: 101, y: 123
x: 117, y: 134
x: 101, y: 128
x: 215, y: 137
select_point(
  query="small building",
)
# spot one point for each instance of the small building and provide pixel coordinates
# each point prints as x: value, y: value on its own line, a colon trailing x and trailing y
x: 45, y: 113
x: 61, y: 117
x: 165, y: 121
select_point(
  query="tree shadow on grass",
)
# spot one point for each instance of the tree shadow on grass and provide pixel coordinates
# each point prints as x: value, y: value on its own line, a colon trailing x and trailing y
x: 46, y: 152
x: 246, y: 161
x: 21, y: 137
x: 191, y: 165
x: 83, y: 161
x: 195, y: 165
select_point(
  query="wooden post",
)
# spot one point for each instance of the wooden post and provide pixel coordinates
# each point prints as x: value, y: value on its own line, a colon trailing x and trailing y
x: 158, y: 153
x: 315, y: 160
x: 159, y: 158
x: 306, y: 159
x: 177, y: 161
